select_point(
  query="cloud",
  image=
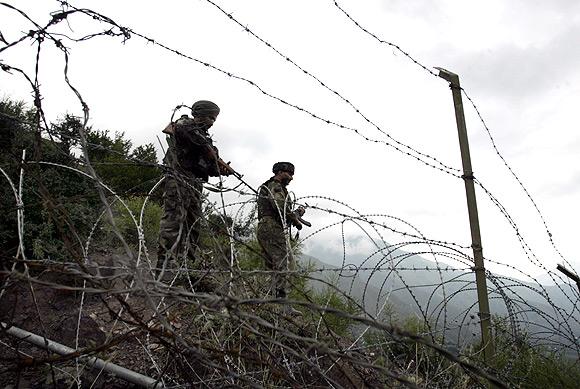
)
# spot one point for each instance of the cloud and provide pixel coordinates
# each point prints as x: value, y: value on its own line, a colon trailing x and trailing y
x: 426, y: 9
x: 509, y: 51
x: 557, y: 6
x: 443, y: 10
x: 570, y: 187
x: 516, y: 73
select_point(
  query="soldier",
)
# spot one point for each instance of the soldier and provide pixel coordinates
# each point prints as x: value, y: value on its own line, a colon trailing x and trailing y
x: 274, y: 216
x: 191, y: 158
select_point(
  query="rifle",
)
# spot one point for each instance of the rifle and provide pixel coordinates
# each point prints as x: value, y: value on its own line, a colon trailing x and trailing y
x: 239, y: 177
x: 298, y: 213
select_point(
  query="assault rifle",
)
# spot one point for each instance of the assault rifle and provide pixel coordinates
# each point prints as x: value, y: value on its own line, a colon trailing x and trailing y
x: 298, y: 212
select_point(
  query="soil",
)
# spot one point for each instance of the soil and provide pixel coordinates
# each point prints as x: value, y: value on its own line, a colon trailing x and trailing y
x: 49, y: 306
x: 52, y: 311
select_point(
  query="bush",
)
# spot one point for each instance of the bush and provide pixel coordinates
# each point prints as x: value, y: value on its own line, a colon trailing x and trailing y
x: 127, y: 226
x: 61, y: 205
x: 330, y: 298
x: 521, y: 363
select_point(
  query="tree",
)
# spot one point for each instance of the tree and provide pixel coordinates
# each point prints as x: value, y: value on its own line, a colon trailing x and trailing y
x: 61, y: 205
x: 126, y: 171
x: 13, y: 119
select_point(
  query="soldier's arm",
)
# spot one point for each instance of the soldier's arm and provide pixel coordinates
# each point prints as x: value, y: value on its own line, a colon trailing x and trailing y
x: 222, y: 168
x: 186, y: 135
x: 282, y: 204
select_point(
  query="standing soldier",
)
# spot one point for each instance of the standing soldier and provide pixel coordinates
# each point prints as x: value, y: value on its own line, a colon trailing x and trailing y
x: 191, y: 158
x: 274, y: 216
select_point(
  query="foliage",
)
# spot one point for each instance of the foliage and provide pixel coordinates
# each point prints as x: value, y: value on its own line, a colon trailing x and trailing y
x: 249, y: 255
x: 517, y: 361
x: 331, y: 298
x: 126, y: 172
x: 127, y: 220
x: 61, y: 205
x: 57, y: 201
x: 521, y: 363
x: 12, y: 113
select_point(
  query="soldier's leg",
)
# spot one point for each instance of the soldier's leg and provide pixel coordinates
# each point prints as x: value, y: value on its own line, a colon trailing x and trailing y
x: 171, y: 226
x: 273, y: 243
x: 285, y: 265
x: 290, y: 265
x: 203, y: 278
x: 194, y: 217
x: 262, y: 236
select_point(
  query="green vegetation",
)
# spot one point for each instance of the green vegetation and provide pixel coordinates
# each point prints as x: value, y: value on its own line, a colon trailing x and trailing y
x: 62, y: 207
x: 517, y: 362
x: 338, y: 324
x: 128, y: 217
x: 60, y: 204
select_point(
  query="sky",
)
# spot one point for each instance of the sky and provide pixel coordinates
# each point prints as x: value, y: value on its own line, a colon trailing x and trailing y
x: 519, y: 61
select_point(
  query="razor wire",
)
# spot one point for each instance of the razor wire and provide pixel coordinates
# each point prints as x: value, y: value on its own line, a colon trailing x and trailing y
x: 479, y: 115
x: 398, y: 146
x: 312, y: 354
x: 351, y: 269
x: 126, y: 33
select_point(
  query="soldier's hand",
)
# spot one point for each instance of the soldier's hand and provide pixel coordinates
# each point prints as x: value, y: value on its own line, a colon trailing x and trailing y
x: 297, y: 224
x: 225, y: 169
x: 300, y: 211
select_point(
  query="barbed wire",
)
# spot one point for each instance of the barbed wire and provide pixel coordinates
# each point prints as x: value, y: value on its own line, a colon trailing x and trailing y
x: 482, y: 120
x: 327, y: 87
x: 377, y: 269
x: 127, y: 33
x: 130, y: 32
x: 238, y: 334
x: 515, y: 176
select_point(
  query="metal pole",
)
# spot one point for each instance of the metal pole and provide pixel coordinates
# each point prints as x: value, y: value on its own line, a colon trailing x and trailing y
x: 484, y: 313
x: 569, y: 274
x: 94, y: 362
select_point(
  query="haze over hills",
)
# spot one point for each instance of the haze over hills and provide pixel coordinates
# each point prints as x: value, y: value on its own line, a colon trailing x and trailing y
x: 448, y: 298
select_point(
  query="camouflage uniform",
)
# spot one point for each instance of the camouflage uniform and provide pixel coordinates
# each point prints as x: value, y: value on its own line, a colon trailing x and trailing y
x: 274, y: 213
x: 188, y: 168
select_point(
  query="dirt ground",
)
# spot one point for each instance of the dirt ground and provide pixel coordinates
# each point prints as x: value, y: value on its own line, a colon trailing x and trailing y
x: 49, y: 306
x: 47, y: 310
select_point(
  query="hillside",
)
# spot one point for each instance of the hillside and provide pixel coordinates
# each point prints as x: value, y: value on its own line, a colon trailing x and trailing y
x: 448, y: 299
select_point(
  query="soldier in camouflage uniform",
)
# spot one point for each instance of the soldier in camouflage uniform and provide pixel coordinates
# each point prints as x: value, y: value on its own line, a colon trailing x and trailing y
x: 191, y: 158
x: 275, y: 215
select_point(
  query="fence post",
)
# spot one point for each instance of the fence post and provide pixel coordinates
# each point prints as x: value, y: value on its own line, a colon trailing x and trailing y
x: 484, y: 313
x: 569, y: 274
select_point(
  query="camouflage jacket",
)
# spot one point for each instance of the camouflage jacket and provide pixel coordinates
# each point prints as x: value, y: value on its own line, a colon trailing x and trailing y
x: 273, y: 200
x: 188, y: 150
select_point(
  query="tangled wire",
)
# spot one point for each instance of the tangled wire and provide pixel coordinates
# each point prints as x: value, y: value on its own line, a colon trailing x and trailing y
x: 403, y: 313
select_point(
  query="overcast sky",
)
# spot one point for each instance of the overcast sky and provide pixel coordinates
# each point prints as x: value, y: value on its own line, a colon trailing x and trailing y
x: 518, y: 60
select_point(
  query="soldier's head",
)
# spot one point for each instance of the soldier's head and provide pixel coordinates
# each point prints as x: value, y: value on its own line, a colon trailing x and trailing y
x: 283, y: 172
x: 205, y: 112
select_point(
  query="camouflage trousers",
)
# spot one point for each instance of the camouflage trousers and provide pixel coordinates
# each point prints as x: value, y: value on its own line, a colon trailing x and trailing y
x: 277, y: 254
x: 180, y: 225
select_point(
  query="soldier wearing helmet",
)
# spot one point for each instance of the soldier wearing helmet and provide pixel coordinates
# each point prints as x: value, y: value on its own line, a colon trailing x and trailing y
x: 274, y: 216
x: 191, y: 158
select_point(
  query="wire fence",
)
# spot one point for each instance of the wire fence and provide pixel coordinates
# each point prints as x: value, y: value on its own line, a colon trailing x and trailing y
x: 405, y: 314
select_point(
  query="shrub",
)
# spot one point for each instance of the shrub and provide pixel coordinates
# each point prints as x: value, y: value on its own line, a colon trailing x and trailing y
x: 127, y: 222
